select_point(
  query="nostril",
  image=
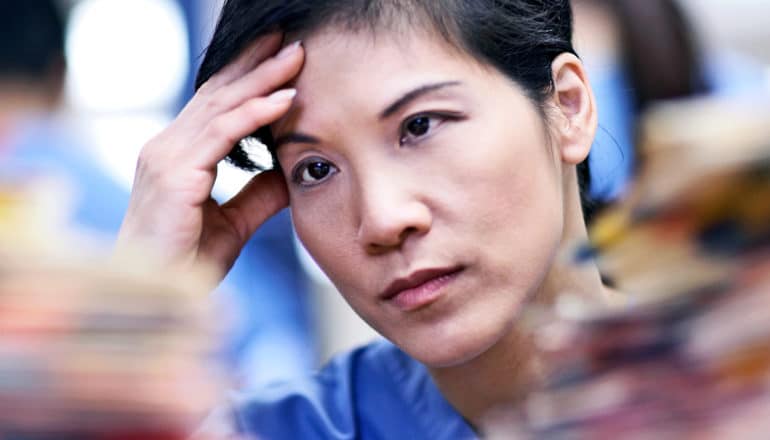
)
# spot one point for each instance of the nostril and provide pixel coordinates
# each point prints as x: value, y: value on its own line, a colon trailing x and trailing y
x: 378, y: 249
x: 406, y: 233
x: 382, y: 246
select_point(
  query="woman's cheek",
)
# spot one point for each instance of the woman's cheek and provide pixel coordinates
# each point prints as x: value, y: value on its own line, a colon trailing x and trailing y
x: 322, y: 225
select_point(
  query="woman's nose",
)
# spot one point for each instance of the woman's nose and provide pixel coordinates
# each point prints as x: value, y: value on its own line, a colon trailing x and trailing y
x: 390, y: 215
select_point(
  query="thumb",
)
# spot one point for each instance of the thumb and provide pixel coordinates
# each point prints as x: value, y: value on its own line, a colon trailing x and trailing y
x: 258, y: 200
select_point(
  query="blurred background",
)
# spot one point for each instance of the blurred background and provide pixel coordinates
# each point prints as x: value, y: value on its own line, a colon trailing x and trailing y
x: 128, y: 68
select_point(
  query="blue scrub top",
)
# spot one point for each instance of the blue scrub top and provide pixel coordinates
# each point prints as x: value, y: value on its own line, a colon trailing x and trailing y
x: 374, y: 392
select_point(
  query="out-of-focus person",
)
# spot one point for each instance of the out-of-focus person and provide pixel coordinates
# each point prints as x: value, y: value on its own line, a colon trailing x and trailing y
x: 33, y: 138
x: 638, y: 53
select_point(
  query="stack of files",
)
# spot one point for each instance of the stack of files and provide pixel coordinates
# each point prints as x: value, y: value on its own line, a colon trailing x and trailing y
x: 100, y: 348
x: 684, y: 350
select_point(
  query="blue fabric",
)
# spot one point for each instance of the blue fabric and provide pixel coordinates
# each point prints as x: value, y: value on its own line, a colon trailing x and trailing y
x: 374, y: 392
x: 42, y: 146
x: 613, y: 156
x: 269, y: 291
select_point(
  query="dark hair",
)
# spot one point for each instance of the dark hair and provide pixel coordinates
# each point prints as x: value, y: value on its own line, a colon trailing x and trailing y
x: 31, y: 39
x: 664, y: 64
x: 520, y: 38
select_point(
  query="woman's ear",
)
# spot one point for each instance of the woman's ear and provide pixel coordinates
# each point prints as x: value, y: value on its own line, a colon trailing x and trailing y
x: 577, y: 117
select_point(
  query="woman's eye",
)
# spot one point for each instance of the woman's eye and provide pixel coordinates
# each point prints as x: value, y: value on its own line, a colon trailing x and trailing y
x: 417, y: 127
x: 313, y: 172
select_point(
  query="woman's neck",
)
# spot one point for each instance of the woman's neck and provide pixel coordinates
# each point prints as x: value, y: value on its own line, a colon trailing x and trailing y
x: 503, y: 375
x: 500, y: 377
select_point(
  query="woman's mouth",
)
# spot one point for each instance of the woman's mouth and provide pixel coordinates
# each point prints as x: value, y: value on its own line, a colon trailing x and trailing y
x: 420, y: 288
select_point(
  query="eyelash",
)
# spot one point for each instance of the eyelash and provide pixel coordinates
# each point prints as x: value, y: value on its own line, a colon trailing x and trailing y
x: 299, y: 170
x: 441, y: 117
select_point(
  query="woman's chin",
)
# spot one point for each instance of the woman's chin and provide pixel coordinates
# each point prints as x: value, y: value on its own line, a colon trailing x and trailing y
x: 448, y: 350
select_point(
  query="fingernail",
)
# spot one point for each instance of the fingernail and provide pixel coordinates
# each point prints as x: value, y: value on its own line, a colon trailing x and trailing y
x: 288, y: 50
x: 283, y: 95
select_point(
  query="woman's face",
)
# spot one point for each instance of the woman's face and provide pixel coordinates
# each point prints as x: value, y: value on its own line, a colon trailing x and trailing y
x: 423, y: 184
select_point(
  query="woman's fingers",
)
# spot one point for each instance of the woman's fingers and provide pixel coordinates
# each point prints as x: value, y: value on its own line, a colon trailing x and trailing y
x: 171, y: 203
x: 221, y: 133
x: 265, y: 78
x: 259, y: 200
x: 271, y: 74
x: 250, y: 57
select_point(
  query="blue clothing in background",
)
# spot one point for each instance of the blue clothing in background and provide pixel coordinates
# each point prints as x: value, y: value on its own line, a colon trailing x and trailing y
x: 269, y: 291
x: 43, y: 146
x: 613, y: 156
x: 374, y: 392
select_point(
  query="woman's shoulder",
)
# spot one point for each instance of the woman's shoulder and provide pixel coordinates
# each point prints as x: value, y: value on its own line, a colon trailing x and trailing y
x: 375, y: 391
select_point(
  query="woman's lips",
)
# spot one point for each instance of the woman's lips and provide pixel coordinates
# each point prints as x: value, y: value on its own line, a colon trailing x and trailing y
x: 420, y: 288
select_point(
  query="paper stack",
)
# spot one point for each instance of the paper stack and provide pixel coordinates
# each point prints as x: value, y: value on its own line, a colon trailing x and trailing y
x: 97, y: 349
x: 686, y: 353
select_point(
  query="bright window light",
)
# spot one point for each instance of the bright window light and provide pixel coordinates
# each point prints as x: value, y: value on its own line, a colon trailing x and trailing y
x: 126, y: 55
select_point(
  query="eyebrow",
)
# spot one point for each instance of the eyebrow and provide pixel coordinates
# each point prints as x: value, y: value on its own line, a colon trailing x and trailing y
x: 414, y: 94
x: 298, y: 138
x: 302, y: 138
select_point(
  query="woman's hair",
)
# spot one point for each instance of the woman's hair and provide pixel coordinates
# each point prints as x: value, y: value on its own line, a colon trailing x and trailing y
x: 520, y: 38
x: 31, y: 39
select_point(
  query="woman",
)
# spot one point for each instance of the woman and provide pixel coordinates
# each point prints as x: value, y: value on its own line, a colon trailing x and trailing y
x: 430, y: 154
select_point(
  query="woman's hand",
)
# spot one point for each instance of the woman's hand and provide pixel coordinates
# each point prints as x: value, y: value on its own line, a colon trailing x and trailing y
x: 171, y: 207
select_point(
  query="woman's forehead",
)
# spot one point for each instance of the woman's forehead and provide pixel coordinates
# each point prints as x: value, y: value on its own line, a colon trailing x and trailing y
x: 361, y: 66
